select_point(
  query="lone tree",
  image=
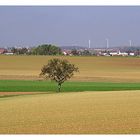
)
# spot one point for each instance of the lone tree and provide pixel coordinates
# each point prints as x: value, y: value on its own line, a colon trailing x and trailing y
x: 58, y: 70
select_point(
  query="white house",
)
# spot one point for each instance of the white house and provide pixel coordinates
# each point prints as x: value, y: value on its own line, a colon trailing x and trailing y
x: 9, y: 53
x: 131, y: 54
x: 118, y: 53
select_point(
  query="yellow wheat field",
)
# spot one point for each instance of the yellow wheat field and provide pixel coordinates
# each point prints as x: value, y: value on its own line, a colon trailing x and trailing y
x: 113, y: 112
x: 116, y: 69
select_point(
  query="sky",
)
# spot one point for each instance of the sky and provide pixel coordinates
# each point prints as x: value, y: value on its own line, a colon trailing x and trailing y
x: 69, y: 25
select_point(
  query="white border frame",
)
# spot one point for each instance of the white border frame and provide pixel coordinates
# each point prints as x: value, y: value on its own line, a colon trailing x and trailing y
x: 70, y: 2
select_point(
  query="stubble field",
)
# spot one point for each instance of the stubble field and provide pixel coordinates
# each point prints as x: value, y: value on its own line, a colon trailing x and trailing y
x: 108, y: 69
x: 109, y: 112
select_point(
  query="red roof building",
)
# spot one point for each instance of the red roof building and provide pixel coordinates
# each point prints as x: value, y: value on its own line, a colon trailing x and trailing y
x: 2, y: 51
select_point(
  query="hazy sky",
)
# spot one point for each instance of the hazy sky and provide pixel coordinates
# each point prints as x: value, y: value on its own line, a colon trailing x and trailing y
x: 69, y: 25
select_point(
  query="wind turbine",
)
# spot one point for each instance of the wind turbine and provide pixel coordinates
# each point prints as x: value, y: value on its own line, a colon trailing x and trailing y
x: 107, y: 43
x: 89, y: 44
x: 130, y: 43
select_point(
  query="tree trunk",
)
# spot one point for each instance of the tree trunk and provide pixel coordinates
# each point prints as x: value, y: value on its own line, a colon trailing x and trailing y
x: 59, y: 87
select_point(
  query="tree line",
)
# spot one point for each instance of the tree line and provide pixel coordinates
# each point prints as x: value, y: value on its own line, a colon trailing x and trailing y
x: 45, y: 49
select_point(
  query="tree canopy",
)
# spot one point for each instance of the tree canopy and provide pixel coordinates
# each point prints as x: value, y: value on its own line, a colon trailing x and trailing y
x: 19, y: 50
x: 46, y: 49
x: 58, y: 70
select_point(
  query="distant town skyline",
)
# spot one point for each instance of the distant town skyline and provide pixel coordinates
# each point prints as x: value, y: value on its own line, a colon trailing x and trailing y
x: 70, y: 26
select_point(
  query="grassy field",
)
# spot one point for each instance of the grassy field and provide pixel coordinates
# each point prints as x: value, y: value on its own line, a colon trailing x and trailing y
x: 109, y: 112
x: 98, y: 69
x: 46, y: 86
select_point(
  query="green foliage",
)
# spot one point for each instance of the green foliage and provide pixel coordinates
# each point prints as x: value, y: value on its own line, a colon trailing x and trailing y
x: 58, y: 70
x: 19, y: 50
x: 86, y: 53
x: 74, y: 52
x: 46, y: 50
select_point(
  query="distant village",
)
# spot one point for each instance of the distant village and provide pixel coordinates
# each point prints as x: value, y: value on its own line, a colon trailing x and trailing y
x: 101, y: 52
x: 78, y: 51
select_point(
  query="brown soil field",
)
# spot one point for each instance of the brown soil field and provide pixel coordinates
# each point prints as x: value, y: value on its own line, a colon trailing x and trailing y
x: 18, y: 93
x: 109, y: 112
x: 114, y: 69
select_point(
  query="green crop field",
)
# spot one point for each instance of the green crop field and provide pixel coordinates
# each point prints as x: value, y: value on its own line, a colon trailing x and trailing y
x: 109, y: 112
x: 46, y: 86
